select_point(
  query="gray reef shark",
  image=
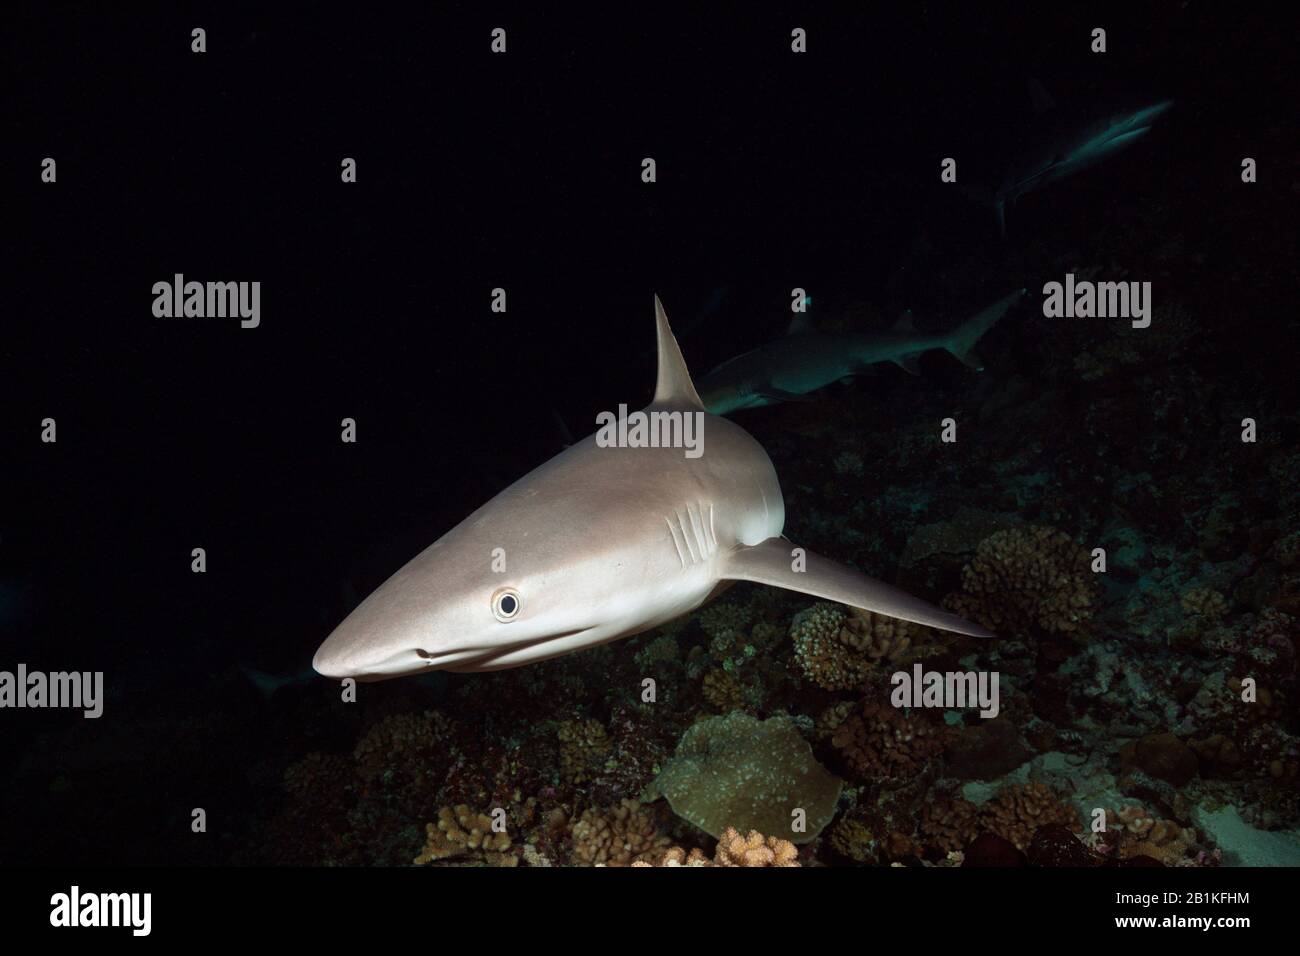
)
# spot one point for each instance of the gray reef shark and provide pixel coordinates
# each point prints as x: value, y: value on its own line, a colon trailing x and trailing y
x: 805, y: 360
x: 1059, y: 154
x: 598, y: 543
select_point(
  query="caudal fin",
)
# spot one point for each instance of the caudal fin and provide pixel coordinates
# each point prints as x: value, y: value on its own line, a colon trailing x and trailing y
x: 961, y: 343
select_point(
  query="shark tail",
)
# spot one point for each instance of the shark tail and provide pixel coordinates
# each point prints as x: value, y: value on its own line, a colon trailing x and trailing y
x: 961, y: 343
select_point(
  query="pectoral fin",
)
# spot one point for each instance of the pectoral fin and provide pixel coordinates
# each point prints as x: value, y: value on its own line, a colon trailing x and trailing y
x: 779, y: 563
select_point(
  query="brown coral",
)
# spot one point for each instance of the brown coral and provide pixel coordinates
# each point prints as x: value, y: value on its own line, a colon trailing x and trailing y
x: 404, y: 759
x: 887, y: 744
x: 1015, y: 812
x: 948, y: 824
x: 722, y: 691
x: 830, y: 719
x: 620, y: 836
x: 1146, y: 835
x: 402, y: 744
x: 1025, y: 579
x: 1205, y: 603
x: 461, y: 832
x: 584, y: 747
x: 837, y: 647
x: 854, y: 838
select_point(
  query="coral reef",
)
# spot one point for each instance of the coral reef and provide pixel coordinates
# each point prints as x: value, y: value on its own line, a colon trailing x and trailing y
x: 584, y: 745
x: 464, y: 834
x: 1027, y: 580
x: 620, y: 836
x: 751, y: 850
x: 948, y: 824
x: 889, y: 745
x: 754, y: 849
x: 837, y: 647
x: 723, y: 691
x: 1143, y: 835
x: 1017, y: 811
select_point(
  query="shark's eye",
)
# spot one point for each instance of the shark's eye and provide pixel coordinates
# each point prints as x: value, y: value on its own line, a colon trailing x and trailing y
x: 506, y: 604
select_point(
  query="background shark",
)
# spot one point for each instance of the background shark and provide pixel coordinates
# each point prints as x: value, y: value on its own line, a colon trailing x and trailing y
x: 1056, y: 152
x: 805, y: 360
x: 599, y: 543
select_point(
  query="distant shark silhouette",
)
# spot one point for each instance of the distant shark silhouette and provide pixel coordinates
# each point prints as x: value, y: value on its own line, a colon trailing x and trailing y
x: 600, y: 543
x: 805, y: 360
x: 1057, y: 153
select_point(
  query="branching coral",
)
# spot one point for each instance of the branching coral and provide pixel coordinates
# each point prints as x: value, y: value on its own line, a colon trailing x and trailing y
x: 1015, y: 812
x: 948, y: 824
x: 1026, y: 579
x: 620, y: 836
x: 829, y: 720
x: 887, y: 744
x: 752, y: 850
x: 462, y: 833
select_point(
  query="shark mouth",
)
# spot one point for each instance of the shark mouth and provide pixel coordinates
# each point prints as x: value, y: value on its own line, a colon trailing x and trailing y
x: 475, y: 658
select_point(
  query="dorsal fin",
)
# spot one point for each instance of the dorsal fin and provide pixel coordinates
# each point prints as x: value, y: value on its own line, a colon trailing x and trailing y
x: 674, y: 388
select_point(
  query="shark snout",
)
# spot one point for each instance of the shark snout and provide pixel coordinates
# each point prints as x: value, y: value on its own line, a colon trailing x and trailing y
x: 337, y: 661
x: 365, y: 652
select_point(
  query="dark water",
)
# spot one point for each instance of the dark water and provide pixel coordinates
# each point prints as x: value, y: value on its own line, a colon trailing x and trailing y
x: 775, y: 171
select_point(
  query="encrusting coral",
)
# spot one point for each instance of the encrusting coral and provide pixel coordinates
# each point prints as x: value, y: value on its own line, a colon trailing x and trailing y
x: 621, y: 836
x: 1026, y: 579
x: 837, y: 647
x: 461, y: 832
x: 738, y: 771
